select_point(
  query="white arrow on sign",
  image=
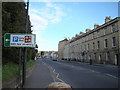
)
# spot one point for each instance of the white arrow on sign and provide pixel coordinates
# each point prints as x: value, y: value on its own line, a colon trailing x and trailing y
x: 7, y: 40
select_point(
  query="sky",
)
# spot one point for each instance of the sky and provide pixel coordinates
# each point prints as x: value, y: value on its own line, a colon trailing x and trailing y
x: 55, y: 21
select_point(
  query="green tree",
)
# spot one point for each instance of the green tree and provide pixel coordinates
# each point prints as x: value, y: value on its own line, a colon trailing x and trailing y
x: 14, y: 21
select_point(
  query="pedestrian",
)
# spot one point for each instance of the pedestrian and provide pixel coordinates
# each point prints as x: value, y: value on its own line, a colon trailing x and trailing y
x: 59, y: 86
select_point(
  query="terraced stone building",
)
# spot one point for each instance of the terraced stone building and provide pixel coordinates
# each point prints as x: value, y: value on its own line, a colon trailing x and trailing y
x: 100, y: 45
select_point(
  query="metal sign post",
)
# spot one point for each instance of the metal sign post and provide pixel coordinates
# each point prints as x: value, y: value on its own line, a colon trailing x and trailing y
x: 19, y: 66
x: 25, y: 49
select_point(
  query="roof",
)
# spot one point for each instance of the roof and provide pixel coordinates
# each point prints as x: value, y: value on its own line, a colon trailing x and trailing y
x: 64, y: 40
x: 96, y: 29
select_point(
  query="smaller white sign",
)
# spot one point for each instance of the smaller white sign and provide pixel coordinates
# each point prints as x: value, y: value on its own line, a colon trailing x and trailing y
x: 22, y: 40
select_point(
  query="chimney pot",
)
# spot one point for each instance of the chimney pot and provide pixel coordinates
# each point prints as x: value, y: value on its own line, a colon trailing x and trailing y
x: 76, y: 35
x: 81, y: 33
x: 107, y: 19
x: 96, y: 25
x: 87, y: 30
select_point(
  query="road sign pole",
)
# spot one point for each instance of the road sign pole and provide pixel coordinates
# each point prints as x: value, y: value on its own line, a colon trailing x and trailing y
x: 25, y: 49
x: 24, y: 67
x: 19, y: 66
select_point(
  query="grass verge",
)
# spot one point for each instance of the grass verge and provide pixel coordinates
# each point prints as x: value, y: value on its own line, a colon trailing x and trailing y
x: 0, y: 73
x: 11, y: 69
x: 30, y: 63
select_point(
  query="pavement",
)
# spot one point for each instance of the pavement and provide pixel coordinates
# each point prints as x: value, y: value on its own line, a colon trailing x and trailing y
x: 40, y: 78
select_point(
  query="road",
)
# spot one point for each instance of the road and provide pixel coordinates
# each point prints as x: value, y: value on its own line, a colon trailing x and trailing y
x: 76, y: 74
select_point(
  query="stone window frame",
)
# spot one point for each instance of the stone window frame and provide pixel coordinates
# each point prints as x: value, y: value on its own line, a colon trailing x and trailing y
x: 98, y: 33
x: 114, y: 41
x: 113, y: 27
x: 105, y: 30
x: 105, y: 43
x: 98, y: 45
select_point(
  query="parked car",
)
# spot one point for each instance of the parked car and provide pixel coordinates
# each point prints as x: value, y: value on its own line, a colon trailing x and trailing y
x: 54, y: 59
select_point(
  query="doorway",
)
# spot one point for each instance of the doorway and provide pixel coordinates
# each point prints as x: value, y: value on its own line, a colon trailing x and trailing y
x: 116, y: 59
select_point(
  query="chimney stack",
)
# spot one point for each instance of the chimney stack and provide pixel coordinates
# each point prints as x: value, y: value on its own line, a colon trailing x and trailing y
x: 87, y: 30
x: 76, y: 35
x: 81, y: 33
x: 96, y: 25
x: 107, y: 19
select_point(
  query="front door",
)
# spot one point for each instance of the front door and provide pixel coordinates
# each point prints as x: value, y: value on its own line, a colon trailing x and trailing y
x: 116, y: 59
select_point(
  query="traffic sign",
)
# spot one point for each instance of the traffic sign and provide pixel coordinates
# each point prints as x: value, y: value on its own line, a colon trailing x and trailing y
x: 7, y: 40
x: 19, y: 40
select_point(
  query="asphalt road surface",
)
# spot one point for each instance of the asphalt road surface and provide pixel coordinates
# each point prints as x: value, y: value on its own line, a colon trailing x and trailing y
x: 76, y: 74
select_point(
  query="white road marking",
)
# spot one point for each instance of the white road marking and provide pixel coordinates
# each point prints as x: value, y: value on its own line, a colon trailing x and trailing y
x: 59, y: 78
x: 79, y: 68
x: 111, y: 75
x: 57, y: 75
x: 94, y: 71
x: 69, y: 65
x: 104, y: 74
x: 53, y: 70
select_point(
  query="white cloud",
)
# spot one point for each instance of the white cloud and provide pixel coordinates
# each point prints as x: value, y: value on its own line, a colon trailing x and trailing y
x: 51, y: 13
x: 55, y: 20
x: 41, y: 18
x: 49, y: 4
x: 38, y: 22
x: 57, y: 13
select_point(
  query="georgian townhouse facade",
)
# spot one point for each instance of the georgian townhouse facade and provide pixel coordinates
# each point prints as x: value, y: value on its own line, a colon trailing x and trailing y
x: 61, y: 47
x: 101, y: 45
